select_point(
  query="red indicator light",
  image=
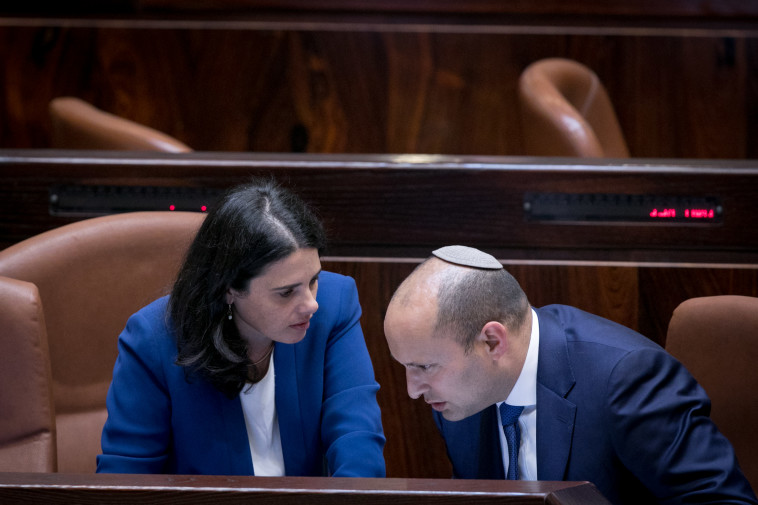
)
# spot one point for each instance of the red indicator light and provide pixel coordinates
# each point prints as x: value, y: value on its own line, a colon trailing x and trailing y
x: 688, y: 213
x: 701, y: 213
x: 664, y: 213
x: 203, y: 208
x: 172, y: 207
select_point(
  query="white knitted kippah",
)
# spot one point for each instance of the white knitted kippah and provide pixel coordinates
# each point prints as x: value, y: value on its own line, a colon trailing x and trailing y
x: 467, y: 256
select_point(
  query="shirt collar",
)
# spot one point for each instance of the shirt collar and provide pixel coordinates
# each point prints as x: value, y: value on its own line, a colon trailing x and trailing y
x: 524, y: 392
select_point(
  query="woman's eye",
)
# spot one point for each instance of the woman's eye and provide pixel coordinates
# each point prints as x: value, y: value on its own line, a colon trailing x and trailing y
x: 286, y: 294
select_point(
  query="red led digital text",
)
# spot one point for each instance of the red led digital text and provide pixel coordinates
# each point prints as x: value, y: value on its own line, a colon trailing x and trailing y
x: 688, y: 213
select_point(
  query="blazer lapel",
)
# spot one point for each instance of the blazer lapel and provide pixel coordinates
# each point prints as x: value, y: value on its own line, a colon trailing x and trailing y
x: 555, y: 414
x: 238, y: 460
x: 288, y: 409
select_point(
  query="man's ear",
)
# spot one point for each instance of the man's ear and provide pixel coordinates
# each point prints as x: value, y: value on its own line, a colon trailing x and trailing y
x: 495, y: 336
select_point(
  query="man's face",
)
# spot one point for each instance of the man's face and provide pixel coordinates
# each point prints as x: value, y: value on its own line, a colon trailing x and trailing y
x: 454, y: 383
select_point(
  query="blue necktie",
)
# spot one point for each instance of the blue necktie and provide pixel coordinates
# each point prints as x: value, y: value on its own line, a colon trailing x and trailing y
x: 509, y: 416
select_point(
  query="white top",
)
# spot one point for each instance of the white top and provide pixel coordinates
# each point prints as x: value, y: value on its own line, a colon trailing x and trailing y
x: 262, y: 423
x: 524, y: 393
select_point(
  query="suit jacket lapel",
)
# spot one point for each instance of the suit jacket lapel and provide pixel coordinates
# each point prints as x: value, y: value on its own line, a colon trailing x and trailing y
x: 490, y: 455
x: 464, y: 437
x: 555, y: 414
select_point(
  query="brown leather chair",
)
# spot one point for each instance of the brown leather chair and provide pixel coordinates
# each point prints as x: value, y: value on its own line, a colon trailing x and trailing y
x: 716, y: 338
x: 92, y: 275
x: 27, y: 420
x: 565, y: 111
x: 78, y: 125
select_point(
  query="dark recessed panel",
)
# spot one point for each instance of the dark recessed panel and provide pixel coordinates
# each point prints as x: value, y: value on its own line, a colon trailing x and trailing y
x: 92, y: 200
x: 621, y: 208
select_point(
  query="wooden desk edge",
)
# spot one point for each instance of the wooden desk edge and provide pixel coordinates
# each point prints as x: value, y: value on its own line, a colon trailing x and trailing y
x: 94, y: 488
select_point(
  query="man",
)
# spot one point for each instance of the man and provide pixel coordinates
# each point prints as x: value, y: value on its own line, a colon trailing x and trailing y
x: 593, y: 400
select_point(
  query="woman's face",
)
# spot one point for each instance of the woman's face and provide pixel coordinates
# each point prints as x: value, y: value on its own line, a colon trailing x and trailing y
x: 280, y: 302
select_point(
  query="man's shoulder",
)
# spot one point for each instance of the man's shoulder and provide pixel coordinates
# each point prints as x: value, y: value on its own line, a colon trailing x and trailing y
x: 579, y: 326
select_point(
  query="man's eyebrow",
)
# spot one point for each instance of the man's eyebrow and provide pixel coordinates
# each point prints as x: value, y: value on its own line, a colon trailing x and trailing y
x: 418, y: 365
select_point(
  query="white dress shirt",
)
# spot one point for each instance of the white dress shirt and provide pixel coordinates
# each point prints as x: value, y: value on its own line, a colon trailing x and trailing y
x: 524, y: 393
x: 259, y: 408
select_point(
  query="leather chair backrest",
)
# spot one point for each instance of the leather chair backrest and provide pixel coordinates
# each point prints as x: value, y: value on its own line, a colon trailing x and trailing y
x: 77, y: 124
x: 716, y: 338
x: 27, y: 423
x: 92, y: 275
x: 566, y: 111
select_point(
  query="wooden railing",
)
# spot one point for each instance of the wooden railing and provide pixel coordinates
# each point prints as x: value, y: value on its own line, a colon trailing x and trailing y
x: 26, y: 488
x: 401, y: 206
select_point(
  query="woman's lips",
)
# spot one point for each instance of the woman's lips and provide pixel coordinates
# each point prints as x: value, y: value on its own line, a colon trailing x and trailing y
x: 301, y: 326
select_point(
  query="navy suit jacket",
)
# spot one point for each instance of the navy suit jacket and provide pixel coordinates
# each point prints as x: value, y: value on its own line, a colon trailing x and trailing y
x: 615, y: 409
x: 325, y: 394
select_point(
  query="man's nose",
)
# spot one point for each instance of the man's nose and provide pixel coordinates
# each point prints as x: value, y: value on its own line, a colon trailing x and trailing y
x: 416, y: 386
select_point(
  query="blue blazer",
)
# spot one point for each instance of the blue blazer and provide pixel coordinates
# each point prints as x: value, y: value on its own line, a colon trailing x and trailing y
x: 329, y: 420
x: 615, y: 409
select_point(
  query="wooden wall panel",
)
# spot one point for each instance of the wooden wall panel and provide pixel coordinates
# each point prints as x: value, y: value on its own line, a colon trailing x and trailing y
x: 607, y: 290
x: 374, y: 86
x: 663, y: 289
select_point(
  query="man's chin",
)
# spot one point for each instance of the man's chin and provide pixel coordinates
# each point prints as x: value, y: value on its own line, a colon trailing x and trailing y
x: 449, y: 415
x: 457, y: 415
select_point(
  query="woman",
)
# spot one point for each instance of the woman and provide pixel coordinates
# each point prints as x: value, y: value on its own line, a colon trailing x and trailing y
x: 255, y: 364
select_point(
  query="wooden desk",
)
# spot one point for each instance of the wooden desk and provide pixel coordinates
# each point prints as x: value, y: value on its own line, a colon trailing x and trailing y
x: 52, y: 488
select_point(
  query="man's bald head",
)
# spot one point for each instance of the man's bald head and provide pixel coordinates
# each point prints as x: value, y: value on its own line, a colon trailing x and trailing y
x: 461, y: 298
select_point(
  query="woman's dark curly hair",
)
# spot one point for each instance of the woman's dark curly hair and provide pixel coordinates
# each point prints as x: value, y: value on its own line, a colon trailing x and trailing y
x: 250, y: 227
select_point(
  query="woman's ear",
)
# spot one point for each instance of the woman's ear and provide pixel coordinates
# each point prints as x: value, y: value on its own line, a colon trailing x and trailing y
x: 495, y: 336
x: 230, y: 295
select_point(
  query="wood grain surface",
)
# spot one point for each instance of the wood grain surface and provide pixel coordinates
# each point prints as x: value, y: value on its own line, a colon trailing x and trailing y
x: 330, y: 84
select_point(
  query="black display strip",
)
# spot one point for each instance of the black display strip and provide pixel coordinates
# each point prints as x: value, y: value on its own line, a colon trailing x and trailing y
x: 93, y: 200
x: 621, y: 208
